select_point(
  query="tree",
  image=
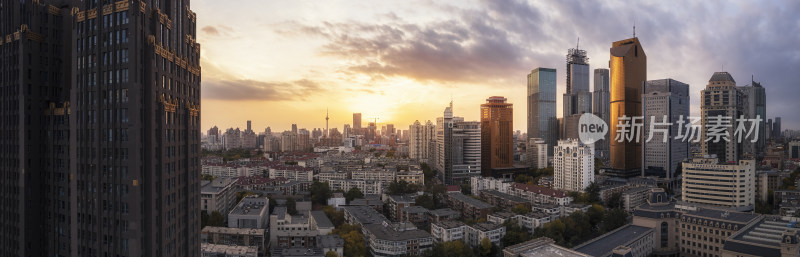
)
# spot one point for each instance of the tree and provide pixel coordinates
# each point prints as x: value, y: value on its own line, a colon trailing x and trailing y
x: 336, y: 217
x: 354, y: 244
x: 320, y: 192
x: 216, y: 219
x: 291, y: 206
x: 331, y: 254
x: 243, y: 194
x: 466, y: 189
x: 203, y: 219
x: 449, y: 249
x: 524, y: 179
x: 353, y: 193
x: 515, y: 234
x: 595, y: 214
x: 521, y: 209
x: 272, y: 204
x: 615, y: 201
x: 593, y: 190
x: 427, y: 172
x: 207, y: 177
x: 400, y: 188
x: 485, y: 249
x: 614, y: 219
x: 425, y: 201
x: 763, y: 208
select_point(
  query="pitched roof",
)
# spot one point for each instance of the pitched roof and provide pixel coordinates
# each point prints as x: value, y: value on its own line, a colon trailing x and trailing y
x: 722, y: 76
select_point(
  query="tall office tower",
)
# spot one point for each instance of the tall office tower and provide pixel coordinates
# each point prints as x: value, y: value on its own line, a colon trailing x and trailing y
x: 35, y: 154
x: 249, y: 125
x: 577, y: 99
x: 722, y: 104
x: 457, y: 155
x: 390, y: 129
x: 573, y: 165
x: 600, y: 108
x: 776, y: 128
x: 542, y: 121
x: 698, y: 188
x: 357, y: 123
x: 756, y: 108
x: 536, y: 153
x: 294, y: 128
x: 497, y: 135
x: 628, y: 67
x: 664, y: 101
x: 136, y: 129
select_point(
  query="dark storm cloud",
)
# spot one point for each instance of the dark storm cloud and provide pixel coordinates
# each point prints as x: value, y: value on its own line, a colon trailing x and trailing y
x: 223, y: 89
x: 498, y: 43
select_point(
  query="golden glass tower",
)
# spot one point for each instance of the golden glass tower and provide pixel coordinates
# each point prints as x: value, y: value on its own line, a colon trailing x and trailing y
x: 628, y: 65
x: 497, y: 135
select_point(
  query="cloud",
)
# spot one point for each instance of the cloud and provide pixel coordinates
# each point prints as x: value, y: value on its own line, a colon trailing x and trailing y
x: 210, y: 30
x: 253, y: 90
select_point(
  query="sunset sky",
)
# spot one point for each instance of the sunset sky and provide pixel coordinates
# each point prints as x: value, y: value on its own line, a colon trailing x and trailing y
x: 283, y: 62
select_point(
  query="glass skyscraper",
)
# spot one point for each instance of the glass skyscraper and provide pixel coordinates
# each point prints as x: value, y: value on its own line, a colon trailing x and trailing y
x: 542, y: 121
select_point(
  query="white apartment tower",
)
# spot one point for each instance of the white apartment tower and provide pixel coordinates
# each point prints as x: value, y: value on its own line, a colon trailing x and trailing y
x: 573, y: 165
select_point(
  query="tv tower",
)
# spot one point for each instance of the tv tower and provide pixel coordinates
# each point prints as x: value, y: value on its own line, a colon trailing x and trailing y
x: 327, y: 134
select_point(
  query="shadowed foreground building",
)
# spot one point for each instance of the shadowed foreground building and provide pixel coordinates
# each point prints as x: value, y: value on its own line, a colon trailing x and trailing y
x: 100, y: 123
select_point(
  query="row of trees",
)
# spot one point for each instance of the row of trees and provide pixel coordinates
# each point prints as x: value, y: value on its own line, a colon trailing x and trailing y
x: 578, y: 227
x: 354, y: 244
x: 215, y: 219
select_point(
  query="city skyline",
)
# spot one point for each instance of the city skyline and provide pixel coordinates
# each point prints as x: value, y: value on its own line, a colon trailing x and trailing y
x: 464, y: 59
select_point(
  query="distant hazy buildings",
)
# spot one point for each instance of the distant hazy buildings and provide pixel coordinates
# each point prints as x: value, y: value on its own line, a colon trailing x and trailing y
x: 664, y: 99
x: 542, y: 121
x: 721, y: 105
x: 497, y: 135
x: 457, y: 152
x: 536, y: 153
x: 628, y: 67
x: 573, y: 165
x: 727, y: 185
x: 600, y: 108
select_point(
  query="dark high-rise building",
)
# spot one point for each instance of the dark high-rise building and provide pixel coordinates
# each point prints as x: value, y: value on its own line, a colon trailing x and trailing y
x: 542, y: 121
x: 776, y: 128
x: 664, y: 101
x: 577, y: 99
x: 600, y: 107
x: 628, y: 65
x: 497, y: 135
x: 101, y: 141
x: 755, y: 108
x: 35, y: 185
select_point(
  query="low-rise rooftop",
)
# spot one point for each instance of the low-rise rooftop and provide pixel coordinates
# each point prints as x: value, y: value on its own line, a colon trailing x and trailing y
x: 605, y: 244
